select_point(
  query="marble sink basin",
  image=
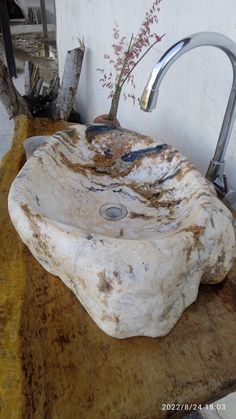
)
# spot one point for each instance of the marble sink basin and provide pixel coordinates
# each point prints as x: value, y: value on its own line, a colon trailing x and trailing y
x: 127, y: 223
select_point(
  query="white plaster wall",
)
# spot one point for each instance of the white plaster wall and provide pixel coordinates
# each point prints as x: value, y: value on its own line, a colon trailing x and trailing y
x: 194, y: 92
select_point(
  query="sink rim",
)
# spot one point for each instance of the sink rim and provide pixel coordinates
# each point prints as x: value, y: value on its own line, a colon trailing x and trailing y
x: 184, y: 221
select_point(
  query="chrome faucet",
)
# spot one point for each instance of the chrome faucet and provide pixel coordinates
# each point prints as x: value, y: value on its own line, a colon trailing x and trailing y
x: 215, y: 172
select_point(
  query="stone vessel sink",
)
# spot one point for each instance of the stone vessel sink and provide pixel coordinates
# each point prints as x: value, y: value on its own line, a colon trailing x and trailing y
x: 127, y: 223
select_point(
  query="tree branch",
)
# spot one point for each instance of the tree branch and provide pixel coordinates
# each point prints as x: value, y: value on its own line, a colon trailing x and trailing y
x: 70, y: 80
x: 13, y: 102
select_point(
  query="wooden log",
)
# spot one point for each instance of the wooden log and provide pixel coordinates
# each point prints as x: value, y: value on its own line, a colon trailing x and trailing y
x: 13, y: 102
x: 70, y: 80
x: 38, y: 86
x: 28, y: 72
x: 53, y: 87
x: 35, y: 77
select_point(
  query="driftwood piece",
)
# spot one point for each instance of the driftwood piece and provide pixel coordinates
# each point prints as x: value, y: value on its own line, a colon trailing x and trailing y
x: 54, y: 86
x: 38, y: 86
x: 70, y: 80
x: 28, y: 72
x: 13, y: 102
x: 34, y: 79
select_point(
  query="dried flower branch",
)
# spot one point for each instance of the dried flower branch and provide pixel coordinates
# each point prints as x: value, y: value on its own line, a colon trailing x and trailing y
x: 126, y: 59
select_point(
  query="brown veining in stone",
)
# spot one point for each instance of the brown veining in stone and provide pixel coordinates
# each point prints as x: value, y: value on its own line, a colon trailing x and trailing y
x: 73, y: 135
x: 75, y: 167
x: 187, y: 168
x: 111, y: 317
x: 153, y: 198
x: 134, y: 215
x: 101, y: 166
x: 104, y: 284
x: 195, y: 230
x: 41, y: 240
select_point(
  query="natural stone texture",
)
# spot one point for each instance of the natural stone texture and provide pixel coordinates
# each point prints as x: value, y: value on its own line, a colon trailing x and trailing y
x: 134, y: 276
x: 55, y: 361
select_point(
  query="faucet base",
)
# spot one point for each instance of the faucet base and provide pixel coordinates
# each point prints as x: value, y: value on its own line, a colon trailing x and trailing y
x: 215, y: 170
x: 215, y: 174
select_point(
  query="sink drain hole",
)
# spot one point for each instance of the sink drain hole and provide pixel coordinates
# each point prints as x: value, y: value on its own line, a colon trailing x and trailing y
x: 113, y: 212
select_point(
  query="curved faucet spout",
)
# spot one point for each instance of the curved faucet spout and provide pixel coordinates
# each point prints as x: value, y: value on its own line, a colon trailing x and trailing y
x: 215, y: 172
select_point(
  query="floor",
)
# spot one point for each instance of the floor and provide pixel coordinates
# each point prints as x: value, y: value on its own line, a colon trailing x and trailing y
x: 28, y: 44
